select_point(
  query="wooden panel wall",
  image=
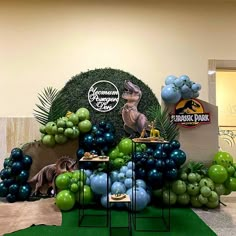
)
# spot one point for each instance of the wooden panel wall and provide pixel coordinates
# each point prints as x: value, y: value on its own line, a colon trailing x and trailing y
x: 16, y: 131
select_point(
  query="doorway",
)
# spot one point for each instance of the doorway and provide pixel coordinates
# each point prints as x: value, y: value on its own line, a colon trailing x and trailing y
x: 222, y: 88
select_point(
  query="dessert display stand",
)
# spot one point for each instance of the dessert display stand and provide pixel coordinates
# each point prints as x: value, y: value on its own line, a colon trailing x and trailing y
x: 94, y: 215
x: 122, y: 198
x: 159, y: 219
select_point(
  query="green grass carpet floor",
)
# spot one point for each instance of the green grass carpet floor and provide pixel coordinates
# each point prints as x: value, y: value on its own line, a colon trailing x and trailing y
x: 183, y: 221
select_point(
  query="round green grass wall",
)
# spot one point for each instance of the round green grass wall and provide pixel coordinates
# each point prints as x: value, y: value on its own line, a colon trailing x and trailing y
x: 74, y: 95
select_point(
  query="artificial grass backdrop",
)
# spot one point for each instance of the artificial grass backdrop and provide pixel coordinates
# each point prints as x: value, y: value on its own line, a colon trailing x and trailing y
x: 184, y: 222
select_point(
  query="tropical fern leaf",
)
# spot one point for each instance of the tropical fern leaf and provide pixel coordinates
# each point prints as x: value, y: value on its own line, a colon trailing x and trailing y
x: 46, y: 99
x: 168, y: 130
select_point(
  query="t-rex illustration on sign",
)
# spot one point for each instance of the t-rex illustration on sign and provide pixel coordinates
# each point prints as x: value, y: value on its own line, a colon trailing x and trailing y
x: 48, y: 174
x: 189, y: 107
x: 134, y: 121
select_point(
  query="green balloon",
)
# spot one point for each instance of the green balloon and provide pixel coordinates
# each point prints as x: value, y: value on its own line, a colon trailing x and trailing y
x: 125, y: 146
x: 218, y: 174
x: 223, y: 158
x: 63, y: 181
x: 65, y: 200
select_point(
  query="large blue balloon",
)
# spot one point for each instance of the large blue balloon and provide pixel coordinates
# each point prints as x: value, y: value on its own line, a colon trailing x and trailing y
x: 139, y: 198
x: 99, y: 183
x: 170, y: 94
x: 170, y: 79
x: 118, y: 187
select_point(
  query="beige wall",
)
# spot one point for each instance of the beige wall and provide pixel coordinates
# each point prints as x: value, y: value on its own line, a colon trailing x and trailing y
x: 225, y: 97
x: 45, y: 43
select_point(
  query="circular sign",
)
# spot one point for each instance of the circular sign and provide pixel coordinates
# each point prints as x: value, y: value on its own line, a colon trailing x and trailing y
x: 103, y: 96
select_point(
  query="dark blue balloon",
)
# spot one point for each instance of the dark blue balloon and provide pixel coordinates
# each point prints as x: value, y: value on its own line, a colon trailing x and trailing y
x: 109, y: 137
x: 138, y: 156
x: 100, y: 141
x: 24, y: 192
x: 160, y: 165
x: 16, y: 154
x: 146, y: 155
x: 171, y: 174
x: 7, y: 162
x: 143, y: 161
x: 3, y: 190
x: 155, y: 177
x: 80, y: 153
x: 175, y: 144
x: 109, y: 127
x: 102, y: 124
x: 149, y: 151
x: 166, y: 147
x: 159, y: 154
x: 14, y: 188
x: 89, y: 140
x: 5, y: 173
x: 93, y: 151
x: 140, y: 173
x: 8, y: 182
x: 94, y: 129
x: 11, y: 198
x: 16, y: 168
x: 138, y: 165
x: 99, y: 132
x: 150, y: 163
x: 27, y: 162
x: 23, y: 176
x: 178, y: 156
x: 169, y: 164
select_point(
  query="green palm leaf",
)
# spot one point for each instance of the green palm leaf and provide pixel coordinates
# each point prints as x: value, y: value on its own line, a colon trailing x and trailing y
x: 168, y: 130
x: 46, y: 99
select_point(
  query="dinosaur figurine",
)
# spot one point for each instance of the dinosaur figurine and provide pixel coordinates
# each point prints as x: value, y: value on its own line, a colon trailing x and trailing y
x: 134, y: 121
x: 153, y: 131
x: 48, y: 174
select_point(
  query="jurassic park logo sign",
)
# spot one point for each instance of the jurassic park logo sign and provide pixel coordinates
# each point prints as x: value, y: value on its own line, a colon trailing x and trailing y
x: 190, y: 113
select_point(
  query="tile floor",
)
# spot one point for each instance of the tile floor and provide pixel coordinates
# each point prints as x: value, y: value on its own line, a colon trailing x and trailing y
x: 223, y: 219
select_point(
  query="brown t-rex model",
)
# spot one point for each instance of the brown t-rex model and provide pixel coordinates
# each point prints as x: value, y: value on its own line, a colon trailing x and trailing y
x: 48, y: 174
x: 134, y: 121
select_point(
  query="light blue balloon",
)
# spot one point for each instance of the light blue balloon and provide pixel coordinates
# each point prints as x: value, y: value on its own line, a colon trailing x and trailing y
x: 195, y: 94
x: 196, y: 87
x: 131, y: 165
x: 123, y: 169
x: 99, y: 183
x: 187, y: 95
x: 139, y: 198
x: 114, y: 176
x: 128, y: 183
x: 185, y: 78
x: 170, y: 79
x: 178, y: 82
x: 141, y: 183
x: 185, y: 89
x: 103, y: 201
x: 118, y: 187
x: 170, y: 94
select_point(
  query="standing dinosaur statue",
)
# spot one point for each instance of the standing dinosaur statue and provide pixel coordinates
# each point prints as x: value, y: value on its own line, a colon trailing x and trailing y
x: 134, y: 121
